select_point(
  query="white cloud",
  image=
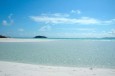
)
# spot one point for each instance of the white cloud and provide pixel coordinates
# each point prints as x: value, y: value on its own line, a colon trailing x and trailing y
x: 10, y: 18
x: 4, y: 22
x: 86, y: 20
x: 86, y: 29
x: 60, y: 20
x: 74, y: 35
x: 67, y: 20
x: 45, y: 28
x: 61, y: 15
x: 46, y: 19
x: 21, y: 30
x: 56, y: 15
x: 76, y: 11
x: 112, y: 31
x: 11, y: 21
x: 84, y: 35
x: 78, y: 29
x: 112, y: 21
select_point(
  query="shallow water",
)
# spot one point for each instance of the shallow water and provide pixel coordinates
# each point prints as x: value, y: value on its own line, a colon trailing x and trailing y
x: 61, y: 52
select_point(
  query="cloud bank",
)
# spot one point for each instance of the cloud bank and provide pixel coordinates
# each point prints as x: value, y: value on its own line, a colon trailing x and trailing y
x: 66, y: 20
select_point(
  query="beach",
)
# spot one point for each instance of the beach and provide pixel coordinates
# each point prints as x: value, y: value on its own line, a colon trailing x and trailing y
x: 21, y: 69
x: 22, y: 40
x: 47, y: 57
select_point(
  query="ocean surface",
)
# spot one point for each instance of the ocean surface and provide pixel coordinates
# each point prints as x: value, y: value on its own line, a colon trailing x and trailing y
x: 62, y: 52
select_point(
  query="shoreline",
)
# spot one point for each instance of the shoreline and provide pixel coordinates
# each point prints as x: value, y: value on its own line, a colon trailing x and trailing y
x: 41, y: 40
x: 23, y: 40
x: 22, y: 69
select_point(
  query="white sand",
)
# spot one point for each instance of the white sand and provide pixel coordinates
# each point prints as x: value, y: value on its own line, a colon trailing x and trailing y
x: 23, y: 40
x: 20, y: 69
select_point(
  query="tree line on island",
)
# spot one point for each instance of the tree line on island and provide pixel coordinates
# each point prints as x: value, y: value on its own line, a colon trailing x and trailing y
x: 39, y: 36
x: 1, y: 36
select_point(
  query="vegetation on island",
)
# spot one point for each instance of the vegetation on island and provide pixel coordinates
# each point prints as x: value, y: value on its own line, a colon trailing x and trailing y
x: 1, y: 36
x: 40, y: 37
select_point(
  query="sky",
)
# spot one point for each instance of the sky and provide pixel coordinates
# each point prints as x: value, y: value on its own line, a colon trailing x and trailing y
x: 57, y: 18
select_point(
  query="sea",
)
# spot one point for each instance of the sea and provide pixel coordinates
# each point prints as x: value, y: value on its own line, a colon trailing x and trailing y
x: 97, y: 53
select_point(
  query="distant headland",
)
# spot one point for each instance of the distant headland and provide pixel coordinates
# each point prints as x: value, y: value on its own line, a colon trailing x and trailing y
x: 108, y: 37
x: 1, y: 36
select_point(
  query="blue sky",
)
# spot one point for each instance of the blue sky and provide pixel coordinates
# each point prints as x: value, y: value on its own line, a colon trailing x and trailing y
x: 57, y: 18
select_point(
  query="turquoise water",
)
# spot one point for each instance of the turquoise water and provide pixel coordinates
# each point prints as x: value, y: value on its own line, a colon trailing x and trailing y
x: 61, y: 52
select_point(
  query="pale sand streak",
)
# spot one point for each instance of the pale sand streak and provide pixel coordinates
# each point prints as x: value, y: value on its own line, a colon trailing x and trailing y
x: 21, y: 69
x: 23, y: 40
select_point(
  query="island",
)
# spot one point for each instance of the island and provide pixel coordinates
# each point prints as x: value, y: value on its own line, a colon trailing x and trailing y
x: 108, y: 37
x: 40, y: 37
x: 1, y: 36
